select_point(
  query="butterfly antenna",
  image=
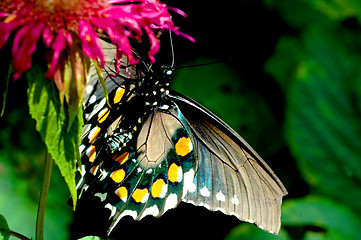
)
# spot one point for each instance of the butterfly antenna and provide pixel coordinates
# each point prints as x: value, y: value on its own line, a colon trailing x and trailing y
x: 201, y: 64
x: 171, y: 47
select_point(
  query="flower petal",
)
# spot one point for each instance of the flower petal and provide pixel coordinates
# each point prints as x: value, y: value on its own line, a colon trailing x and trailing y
x: 58, y: 46
x: 90, y: 42
x: 24, y: 46
x: 47, y: 36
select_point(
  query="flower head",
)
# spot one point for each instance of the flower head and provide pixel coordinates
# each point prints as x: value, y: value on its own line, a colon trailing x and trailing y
x: 64, y: 23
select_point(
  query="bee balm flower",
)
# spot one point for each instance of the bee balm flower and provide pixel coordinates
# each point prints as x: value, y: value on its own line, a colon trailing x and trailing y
x: 70, y: 28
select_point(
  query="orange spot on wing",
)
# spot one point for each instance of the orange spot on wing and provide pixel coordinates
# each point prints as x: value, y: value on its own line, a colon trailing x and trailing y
x: 140, y: 195
x: 94, y: 169
x: 118, y: 175
x: 175, y: 173
x: 122, y: 158
x: 94, y: 134
x: 119, y: 94
x: 103, y: 115
x: 157, y: 188
x: 183, y: 146
x: 122, y: 193
x: 92, y: 153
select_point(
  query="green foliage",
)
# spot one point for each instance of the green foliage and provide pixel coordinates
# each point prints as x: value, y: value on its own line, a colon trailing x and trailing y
x: 91, y: 238
x: 52, y: 122
x: 21, y: 173
x: 335, y: 220
x: 320, y: 75
x: 4, y: 228
x: 217, y: 87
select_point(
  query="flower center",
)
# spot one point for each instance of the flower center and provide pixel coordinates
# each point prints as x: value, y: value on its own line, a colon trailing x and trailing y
x: 65, y: 14
x: 52, y: 5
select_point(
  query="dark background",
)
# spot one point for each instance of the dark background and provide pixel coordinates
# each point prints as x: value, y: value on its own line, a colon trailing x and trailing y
x: 288, y: 81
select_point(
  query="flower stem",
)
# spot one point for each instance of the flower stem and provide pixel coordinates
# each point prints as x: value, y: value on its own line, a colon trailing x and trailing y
x: 43, y: 197
x: 15, y: 234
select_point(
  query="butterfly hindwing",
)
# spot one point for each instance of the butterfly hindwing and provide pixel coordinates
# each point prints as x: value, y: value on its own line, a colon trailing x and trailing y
x: 248, y: 188
x: 153, y: 179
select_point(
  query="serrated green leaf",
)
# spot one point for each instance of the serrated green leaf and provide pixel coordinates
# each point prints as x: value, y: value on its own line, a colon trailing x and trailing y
x: 52, y: 122
x: 4, y: 232
x: 338, y: 221
x: 322, y: 116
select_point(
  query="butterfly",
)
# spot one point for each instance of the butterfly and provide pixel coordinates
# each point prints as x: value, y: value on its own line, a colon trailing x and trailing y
x: 145, y: 148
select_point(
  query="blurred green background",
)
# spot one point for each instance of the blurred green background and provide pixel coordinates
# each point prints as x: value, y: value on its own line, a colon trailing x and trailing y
x: 289, y: 83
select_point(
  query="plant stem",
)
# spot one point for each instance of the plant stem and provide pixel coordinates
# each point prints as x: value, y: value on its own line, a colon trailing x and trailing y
x: 43, y: 197
x: 15, y: 234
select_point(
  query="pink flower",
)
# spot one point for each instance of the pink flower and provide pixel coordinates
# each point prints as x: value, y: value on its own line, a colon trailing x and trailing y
x: 75, y: 25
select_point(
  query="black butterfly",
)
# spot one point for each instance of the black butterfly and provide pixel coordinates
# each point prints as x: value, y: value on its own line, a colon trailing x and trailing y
x: 152, y: 147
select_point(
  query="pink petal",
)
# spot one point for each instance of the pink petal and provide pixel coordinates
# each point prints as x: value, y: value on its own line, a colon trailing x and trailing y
x: 58, y: 46
x: 24, y: 46
x: 47, y: 36
x: 6, y: 29
x: 90, y: 42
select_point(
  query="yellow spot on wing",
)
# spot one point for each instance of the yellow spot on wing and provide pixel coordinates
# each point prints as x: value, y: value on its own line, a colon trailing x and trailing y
x: 103, y: 115
x: 94, y: 134
x: 92, y: 154
x: 118, y: 175
x: 140, y: 195
x: 175, y: 173
x: 183, y: 146
x: 94, y: 169
x: 158, y: 187
x: 122, y: 193
x: 122, y: 158
x: 119, y: 94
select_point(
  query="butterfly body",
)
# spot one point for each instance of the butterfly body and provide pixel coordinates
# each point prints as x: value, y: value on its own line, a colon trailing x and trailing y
x: 153, y: 147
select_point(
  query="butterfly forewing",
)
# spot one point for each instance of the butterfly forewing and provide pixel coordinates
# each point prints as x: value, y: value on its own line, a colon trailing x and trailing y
x: 249, y: 188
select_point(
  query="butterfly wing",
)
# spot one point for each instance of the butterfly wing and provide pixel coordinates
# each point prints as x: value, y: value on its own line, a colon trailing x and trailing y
x: 148, y: 176
x: 231, y: 176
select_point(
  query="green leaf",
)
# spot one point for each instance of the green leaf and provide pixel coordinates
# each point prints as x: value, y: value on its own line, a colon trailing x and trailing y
x: 4, y: 232
x: 338, y: 221
x: 251, y: 232
x: 52, y: 122
x: 91, y: 238
x: 337, y: 9
x: 322, y: 116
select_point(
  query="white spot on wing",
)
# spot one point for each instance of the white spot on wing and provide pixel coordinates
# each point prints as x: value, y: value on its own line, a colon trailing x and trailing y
x: 171, y: 201
x: 205, y: 192
x: 98, y: 107
x: 153, y: 210
x: 92, y: 99
x: 81, y: 149
x: 189, y: 186
x: 102, y: 196
x: 220, y: 196
x: 113, y: 209
x: 89, y: 89
x: 179, y: 174
x: 234, y: 200
x: 128, y: 213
